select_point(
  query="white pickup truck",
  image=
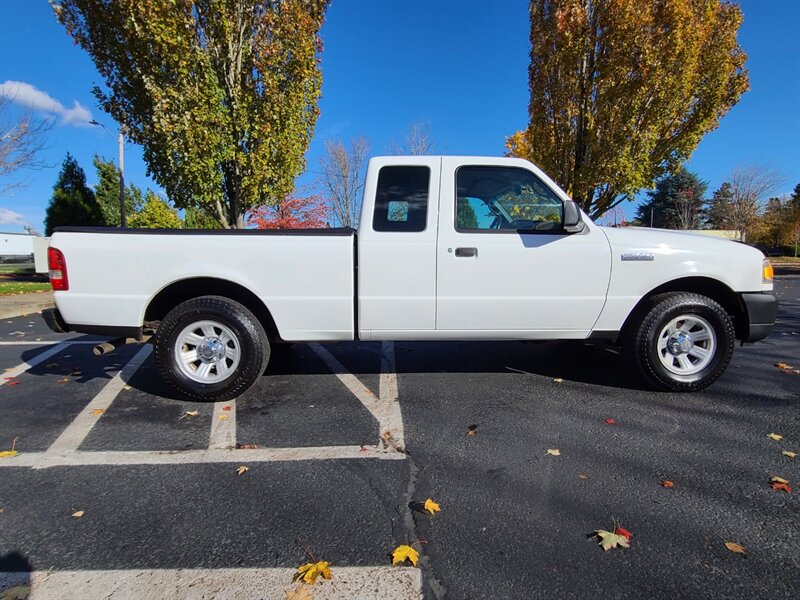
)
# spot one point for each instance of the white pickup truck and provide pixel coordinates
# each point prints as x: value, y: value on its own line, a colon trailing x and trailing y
x: 449, y: 248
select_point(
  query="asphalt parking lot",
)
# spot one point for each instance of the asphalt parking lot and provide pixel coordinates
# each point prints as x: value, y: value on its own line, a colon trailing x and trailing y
x: 341, y: 444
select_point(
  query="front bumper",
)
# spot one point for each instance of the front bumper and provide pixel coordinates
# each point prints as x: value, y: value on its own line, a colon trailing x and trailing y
x: 761, y: 312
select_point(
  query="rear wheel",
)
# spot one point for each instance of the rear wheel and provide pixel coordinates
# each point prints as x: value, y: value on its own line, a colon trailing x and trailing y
x: 211, y: 348
x: 681, y: 341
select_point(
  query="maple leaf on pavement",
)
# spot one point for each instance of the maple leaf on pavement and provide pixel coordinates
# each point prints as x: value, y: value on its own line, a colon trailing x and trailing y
x: 242, y: 469
x: 666, y: 483
x: 553, y: 452
x: 431, y: 506
x: 310, y: 571
x: 623, y: 532
x: 403, y: 553
x: 609, y: 540
x: 10, y: 453
x: 789, y: 454
x: 775, y: 436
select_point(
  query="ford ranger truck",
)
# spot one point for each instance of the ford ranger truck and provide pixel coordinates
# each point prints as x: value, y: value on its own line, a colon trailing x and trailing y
x: 448, y: 248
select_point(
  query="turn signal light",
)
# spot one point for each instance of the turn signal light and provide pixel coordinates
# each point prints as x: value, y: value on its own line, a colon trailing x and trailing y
x: 767, y: 273
x: 58, y: 269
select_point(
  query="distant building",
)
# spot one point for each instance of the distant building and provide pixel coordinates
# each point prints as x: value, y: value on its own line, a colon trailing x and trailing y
x: 16, y: 247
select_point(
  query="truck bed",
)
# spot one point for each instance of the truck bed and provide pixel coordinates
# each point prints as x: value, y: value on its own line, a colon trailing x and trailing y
x: 305, y: 277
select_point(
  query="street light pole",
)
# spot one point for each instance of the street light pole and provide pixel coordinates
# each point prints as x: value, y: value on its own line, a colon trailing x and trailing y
x: 122, y: 220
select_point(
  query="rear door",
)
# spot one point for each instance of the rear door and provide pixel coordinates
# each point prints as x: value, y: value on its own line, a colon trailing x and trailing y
x: 506, y: 268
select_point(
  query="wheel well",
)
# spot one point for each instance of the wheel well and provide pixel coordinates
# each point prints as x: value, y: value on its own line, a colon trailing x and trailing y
x: 711, y: 288
x: 186, y: 289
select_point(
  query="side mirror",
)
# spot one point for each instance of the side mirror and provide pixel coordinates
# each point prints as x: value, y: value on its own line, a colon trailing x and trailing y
x: 573, y: 222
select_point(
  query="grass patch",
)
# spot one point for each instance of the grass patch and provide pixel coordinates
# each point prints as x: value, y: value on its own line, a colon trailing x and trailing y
x: 8, y: 288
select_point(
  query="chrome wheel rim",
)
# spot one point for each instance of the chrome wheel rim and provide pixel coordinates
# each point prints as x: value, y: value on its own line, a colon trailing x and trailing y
x: 207, y: 352
x: 686, y: 345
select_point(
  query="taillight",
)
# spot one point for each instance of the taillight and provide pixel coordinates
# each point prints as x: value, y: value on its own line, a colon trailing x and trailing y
x: 58, y: 269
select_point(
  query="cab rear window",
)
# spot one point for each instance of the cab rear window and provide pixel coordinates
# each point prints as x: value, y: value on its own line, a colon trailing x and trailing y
x: 401, y: 200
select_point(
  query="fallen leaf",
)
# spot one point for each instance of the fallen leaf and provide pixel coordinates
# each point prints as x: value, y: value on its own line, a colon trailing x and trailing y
x: 783, y: 365
x: 191, y: 413
x: 18, y: 592
x: 558, y: 380
x: 10, y: 453
x: 76, y: 372
x: 583, y: 476
x: 242, y: 469
x: 300, y: 593
x: 226, y: 407
x: 98, y: 411
x: 666, y: 483
x: 609, y: 540
x: 310, y: 571
x: 623, y: 532
x: 554, y: 452
x: 64, y: 380
x: 127, y: 388
x: 609, y: 422
x: 789, y: 454
x: 778, y: 480
x: 735, y: 548
x: 78, y: 514
x: 431, y: 506
x: 222, y: 417
x: 775, y: 436
x: 12, y: 382
x: 246, y: 446
x: 784, y: 487
x: 472, y: 429
x: 403, y: 553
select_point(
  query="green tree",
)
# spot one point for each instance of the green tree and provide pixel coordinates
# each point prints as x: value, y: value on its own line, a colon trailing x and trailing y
x: 221, y: 94
x: 195, y: 218
x: 466, y: 217
x: 622, y: 92
x: 155, y: 214
x: 107, y: 192
x: 718, y: 213
x: 675, y: 203
x: 73, y: 202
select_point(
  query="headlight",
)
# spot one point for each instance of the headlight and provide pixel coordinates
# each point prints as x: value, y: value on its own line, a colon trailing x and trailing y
x: 766, y: 271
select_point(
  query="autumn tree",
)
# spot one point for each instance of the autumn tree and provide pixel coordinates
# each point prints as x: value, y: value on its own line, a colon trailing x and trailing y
x: 776, y: 222
x: 196, y: 218
x: 155, y: 213
x: 73, y: 202
x: 675, y: 203
x: 106, y: 191
x: 293, y: 212
x: 417, y: 141
x: 22, y: 139
x: 343, y: 179
x: 221, y: 94
x: 622, y: 92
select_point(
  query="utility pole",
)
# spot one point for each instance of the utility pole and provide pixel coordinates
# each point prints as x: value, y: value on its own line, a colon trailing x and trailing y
x: 651, y: 217
x: 122, y: 220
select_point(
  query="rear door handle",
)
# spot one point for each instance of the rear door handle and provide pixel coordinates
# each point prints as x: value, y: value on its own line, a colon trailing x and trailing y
x: 466, y: 252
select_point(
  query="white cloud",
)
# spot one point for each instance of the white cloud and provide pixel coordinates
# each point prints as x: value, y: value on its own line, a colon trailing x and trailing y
x: 9, y: 217
x: 28, y: 96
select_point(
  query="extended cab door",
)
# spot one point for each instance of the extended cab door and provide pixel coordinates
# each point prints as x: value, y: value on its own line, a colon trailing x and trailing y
x: 506, y: 267
x: 397, y: 248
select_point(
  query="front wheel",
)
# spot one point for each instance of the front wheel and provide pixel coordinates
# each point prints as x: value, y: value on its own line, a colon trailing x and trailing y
x: 681, y: 342
x: 211, y: 348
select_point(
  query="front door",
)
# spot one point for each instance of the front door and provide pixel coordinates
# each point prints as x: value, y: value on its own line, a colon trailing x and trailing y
x: 505, y: 267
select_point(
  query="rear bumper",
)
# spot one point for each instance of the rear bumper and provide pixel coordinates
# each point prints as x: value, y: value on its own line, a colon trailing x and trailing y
x: 762, y: 308
x: 56, y: 322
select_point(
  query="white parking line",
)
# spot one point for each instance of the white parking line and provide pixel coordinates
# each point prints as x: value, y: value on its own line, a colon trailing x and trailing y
x: 72, y: 437
x: 351, y: 583
x: 50, y: 342
x: 223, y: 426
x: 29, y: 364
x: 383, y: 409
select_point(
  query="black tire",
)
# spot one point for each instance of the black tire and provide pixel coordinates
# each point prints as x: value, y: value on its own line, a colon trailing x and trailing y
x: 646, y: 336
x: 249, y: 340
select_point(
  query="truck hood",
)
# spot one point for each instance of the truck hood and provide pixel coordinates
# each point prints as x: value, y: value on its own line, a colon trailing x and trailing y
x: 680, y: 253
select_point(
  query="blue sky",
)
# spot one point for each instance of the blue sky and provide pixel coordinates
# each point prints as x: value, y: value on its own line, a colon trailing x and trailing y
x: 460, y: 65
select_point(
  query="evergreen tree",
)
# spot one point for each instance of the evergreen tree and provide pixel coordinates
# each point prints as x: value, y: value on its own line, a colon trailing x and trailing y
x: 107, y: 193
x: 718, y: 214
x: 675, y: 203
x: 73, y: 202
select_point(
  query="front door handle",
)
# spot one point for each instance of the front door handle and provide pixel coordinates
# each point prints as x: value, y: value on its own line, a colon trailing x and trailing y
x: 467, y: 252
